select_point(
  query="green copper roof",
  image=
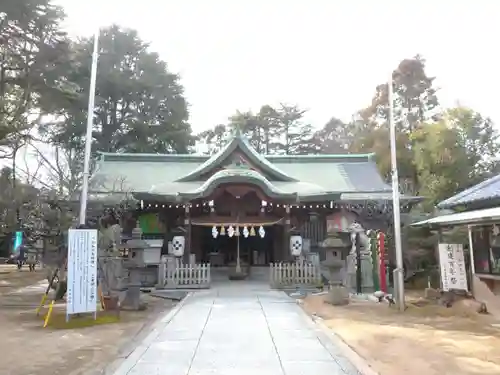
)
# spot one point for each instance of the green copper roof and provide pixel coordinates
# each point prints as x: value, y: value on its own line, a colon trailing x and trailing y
x: 237, y: 143
x: 180, y: 177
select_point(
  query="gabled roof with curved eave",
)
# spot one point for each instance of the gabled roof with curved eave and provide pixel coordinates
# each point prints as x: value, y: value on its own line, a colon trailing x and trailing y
x: 237, y: 143
x: 240, y: 175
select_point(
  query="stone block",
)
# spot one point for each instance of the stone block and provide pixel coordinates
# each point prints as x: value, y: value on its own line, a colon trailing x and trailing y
x: 446, y: 299
x: 337, y: 296
x: 366, y: 271
x: 431, y: 293
x: 471, y: 306
x: 235, y: 275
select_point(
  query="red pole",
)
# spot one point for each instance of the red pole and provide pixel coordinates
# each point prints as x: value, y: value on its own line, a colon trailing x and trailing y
x: 382, y: 273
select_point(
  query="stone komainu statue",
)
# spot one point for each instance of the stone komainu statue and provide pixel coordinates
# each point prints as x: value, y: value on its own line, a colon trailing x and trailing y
x: 357, y: 228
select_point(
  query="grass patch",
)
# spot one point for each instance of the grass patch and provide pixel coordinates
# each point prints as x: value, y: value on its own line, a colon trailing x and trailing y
x: 58, y: 320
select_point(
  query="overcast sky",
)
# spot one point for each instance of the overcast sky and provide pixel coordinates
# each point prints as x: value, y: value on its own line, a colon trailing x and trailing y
x: 325, y: 55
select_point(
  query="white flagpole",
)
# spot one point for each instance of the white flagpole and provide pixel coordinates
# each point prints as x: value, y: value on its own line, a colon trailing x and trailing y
x: 88, y: 136
x: 399, y: 273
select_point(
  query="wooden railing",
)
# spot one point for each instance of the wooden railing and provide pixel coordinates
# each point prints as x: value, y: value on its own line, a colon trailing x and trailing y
x: 176, y: 275
x: 291, y: 274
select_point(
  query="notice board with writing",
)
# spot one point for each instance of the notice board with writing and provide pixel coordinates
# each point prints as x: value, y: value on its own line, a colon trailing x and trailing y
x: 82, y: 271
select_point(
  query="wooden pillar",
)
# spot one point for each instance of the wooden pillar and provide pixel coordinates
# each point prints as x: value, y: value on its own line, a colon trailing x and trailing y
x: 438, y: 258
x: 472, y: 267
x: 277, y: 248
x: 286, y: 235
x: 187, y: 226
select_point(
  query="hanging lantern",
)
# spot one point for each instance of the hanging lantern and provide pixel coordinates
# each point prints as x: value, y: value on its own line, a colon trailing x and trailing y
x: 222, y: 230
x: 215, y: 232
x: 245, y: 232
x: 237, y: 231
x: 178, y: 243
x: 262, y: 232
x: 296, y: 245
x: 252, y: 231
x: 230, y: 231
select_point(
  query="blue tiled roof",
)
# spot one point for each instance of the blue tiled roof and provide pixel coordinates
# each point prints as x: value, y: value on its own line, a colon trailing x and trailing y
x: 485, y: 190
x: 365, y: 177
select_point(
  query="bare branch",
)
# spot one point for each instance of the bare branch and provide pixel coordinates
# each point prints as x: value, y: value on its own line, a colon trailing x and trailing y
x: 34, y: 178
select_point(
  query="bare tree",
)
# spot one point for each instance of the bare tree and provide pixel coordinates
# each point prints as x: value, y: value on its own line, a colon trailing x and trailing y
x: 62, y: 168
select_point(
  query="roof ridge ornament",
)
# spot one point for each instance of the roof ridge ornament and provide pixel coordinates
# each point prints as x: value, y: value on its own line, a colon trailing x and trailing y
x: 238, y: 141
x: 237, y: 131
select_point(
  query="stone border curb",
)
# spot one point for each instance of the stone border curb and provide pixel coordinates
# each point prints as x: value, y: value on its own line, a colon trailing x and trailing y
x: 352, y: 355
x: 143, y: 339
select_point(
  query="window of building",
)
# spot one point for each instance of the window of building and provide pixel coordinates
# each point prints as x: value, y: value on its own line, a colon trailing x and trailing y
x: 481, y: 246
x: 486, y: 247
x: 495, y: 255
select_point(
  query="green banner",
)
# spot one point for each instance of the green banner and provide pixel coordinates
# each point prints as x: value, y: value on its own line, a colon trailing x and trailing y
x: 150, y: 223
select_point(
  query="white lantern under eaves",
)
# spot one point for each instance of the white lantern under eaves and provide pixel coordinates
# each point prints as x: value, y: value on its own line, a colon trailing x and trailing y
x: 178, y: 243
x: 296, y: 245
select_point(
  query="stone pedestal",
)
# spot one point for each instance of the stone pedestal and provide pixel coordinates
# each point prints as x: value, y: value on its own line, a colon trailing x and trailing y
x: 113, y: 277
x: 235, y: 274
x: 338, y: 296
x: 132, y: 297
x: 162, y: 273
x: 135, y: 269
x: 366, y: 272
x: 333, y: 268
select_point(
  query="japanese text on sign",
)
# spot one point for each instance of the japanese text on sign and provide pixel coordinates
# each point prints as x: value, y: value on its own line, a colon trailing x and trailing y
x: 452, y: 264
x: 82, y: 271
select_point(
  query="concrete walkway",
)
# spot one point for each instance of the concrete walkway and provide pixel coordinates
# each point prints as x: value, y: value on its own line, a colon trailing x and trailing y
x: 237, y: 330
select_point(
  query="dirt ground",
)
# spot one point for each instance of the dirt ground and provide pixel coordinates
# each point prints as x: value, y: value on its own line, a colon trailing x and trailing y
x: 430, y: 340
x: 11, y: 279
x: 33, y: 350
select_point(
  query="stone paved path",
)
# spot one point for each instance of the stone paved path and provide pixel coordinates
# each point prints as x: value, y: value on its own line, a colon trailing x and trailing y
x: 238, y: 330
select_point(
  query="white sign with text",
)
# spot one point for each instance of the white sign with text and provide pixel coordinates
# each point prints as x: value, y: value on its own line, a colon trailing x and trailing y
x: 82, y: 271
x: 452, y: 264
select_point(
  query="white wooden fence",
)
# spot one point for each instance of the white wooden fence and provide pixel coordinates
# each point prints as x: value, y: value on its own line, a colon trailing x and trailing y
x: 176, y: 275
x: 290, y: 274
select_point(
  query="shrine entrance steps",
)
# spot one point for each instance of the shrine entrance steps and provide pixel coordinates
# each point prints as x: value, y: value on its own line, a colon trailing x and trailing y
x: 220, y: 275
x: 284, y: 275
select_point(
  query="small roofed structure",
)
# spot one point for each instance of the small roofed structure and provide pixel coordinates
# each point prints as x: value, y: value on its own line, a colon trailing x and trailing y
x: 480, y: 213
x: 483, y: 195
x: 474, y: 217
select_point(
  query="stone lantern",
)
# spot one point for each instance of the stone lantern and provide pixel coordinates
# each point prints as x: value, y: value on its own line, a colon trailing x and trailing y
x: 334, y: 250
x: 136, y: 267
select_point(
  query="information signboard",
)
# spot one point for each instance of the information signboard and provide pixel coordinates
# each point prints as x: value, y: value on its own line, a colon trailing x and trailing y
x: 82, y: 271
x: 452, y: 264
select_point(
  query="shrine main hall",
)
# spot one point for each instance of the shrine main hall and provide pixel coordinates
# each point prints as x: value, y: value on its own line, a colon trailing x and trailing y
x: 238, y: 197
